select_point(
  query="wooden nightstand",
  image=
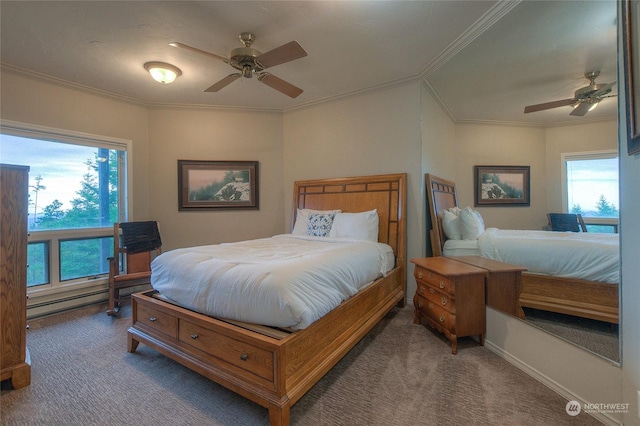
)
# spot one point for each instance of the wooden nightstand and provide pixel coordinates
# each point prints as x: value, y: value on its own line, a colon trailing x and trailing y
x: 503, y: 285
x: 450, y: 298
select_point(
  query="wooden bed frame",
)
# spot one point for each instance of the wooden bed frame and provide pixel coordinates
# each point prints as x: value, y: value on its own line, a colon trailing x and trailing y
x: 272, y: 367
x: 587, y: 299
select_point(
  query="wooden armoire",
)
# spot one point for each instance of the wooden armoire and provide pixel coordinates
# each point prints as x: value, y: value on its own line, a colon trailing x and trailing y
x: 15, y: 362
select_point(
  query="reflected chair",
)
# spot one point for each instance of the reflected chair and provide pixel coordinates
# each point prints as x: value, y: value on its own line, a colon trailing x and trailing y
x: 566, y: 222
x: 135, y: 245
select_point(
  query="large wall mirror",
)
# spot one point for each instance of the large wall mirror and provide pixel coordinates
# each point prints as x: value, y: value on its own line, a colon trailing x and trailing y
x: 539, y: 52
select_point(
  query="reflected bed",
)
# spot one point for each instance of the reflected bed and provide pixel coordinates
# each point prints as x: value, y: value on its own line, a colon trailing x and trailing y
x: 589, y: 296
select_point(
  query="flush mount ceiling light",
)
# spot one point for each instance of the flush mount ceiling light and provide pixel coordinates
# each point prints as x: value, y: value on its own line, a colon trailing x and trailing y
x: 162, y: 72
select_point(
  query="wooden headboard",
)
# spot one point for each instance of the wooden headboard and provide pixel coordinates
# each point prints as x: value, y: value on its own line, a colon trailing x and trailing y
x: 386, y: 193
x: 441, y: 195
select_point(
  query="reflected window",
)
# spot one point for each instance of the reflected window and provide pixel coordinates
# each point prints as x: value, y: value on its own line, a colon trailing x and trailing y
x: 592, y: 188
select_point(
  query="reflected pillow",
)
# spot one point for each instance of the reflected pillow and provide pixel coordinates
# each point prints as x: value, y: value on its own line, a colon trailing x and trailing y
x: 471, y: 224
x: 451, y: 224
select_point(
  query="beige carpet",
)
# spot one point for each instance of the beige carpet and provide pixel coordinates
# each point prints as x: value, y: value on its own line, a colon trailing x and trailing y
x: 399, y: 374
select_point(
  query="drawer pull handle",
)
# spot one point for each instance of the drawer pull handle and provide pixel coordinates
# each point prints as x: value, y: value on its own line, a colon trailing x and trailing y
x: 442, y: 284
x: 420, y: 290
x: 431, y: 291
x: 430, y: 305
x: 420, y: 305
x: 444, y: 301
x: 244, y: 357
x: 431, y: 275
x: 441, y: 318
x: 153, y: 319
x: 194, y: 336
x: 420, y: 274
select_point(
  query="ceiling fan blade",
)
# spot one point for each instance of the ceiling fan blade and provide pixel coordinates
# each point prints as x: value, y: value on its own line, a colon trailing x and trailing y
x: 581, y: 109
x: 603, y: 90
x: 548, y: 105
x: 196, y: 50
x: 280, y: 55
x: 224, y: 82
x: 279, y: 84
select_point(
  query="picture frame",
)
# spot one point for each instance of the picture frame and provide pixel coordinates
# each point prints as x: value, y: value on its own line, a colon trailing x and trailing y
x: 631, y: 58
x: 216, y: 185
x: 502, y: 186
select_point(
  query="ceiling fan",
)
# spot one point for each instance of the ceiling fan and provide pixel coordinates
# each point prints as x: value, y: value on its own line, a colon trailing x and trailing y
x: 585, y: 99
x: 248, y: 61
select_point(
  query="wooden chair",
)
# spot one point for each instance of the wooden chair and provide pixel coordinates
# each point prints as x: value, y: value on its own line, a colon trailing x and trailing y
x: 135, y: 245
x: 566, y: 222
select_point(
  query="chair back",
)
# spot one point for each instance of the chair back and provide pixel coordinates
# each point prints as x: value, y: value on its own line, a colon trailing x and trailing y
x: 566, y: 222
x: 137, y: 243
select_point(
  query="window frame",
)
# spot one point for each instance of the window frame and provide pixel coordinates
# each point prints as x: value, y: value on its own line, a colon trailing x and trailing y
x: 587, y: 155
x: 53, y: 237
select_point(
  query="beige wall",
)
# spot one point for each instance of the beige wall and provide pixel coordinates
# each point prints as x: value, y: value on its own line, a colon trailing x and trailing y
x: 493, y: 145
x: 210, y: 134
x: 37, y: 102
x: 372, y: 133
x: 438, y: 138
x: 597, y: 136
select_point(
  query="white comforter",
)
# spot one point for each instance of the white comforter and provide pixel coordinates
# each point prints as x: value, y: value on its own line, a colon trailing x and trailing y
x: 282, y: 281
x: 589, y: 256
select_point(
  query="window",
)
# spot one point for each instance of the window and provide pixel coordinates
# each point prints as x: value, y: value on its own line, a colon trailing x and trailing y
x: 592, y: 188
x: 77, y: 191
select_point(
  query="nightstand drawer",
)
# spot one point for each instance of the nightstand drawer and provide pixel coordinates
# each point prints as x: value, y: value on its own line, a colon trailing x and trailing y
x: 435, y: 312
x: 434, y: 279
x: 434, y: 296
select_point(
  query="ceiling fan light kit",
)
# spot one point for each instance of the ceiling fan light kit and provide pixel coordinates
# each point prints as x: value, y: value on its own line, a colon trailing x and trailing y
x: 585, y: 99
x: 249, y: 61
x: 162, y: 72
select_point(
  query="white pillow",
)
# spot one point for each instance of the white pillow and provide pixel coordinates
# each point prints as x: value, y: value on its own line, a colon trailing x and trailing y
x: 471, y: 224
x: 359, y: 226
x: 302, y: 220
x: 451, y: 224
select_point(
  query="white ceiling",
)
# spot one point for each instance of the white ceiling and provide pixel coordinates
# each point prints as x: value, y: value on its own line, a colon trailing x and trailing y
x: 484, y: 60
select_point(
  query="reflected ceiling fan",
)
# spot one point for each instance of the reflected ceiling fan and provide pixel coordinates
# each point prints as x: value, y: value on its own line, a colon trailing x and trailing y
x: 585, y: 99
x: 248, y: 61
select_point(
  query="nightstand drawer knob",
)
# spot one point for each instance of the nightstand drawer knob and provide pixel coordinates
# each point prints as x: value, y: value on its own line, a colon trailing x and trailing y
x: 153, y: 319
x: 420, y: 305
x: 444, y: 301
x: 420, y: 274
x: 442, y: 284
x: 441, y: 318
x: 420, y: 290
x: 194, y: 336
x: 431, y: 291
x: 244, y: 357
x: 430, y: 305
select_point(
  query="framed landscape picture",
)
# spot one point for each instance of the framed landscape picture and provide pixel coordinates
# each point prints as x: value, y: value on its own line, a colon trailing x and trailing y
x: 501, y: 186
x: 217, y: 184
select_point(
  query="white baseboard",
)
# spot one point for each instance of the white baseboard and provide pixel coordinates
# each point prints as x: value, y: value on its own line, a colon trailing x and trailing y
x: 547, y: 381
x: 64, y: 301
